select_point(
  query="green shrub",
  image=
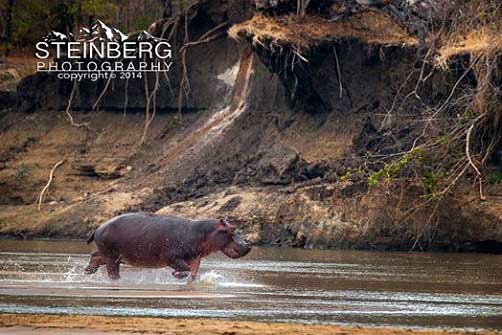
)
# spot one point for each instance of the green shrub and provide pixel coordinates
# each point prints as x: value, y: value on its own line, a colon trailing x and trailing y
x: 494, y: 177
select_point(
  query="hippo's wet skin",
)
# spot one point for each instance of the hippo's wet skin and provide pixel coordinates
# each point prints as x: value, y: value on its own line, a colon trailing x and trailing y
x: 153, y: 241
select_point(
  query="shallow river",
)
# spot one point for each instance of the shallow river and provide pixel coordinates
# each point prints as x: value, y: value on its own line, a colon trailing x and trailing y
x: 342, y: 287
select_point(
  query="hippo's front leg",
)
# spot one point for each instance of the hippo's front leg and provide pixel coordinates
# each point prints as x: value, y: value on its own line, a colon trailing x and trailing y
x: 194, y: 265
x: 181, y: 269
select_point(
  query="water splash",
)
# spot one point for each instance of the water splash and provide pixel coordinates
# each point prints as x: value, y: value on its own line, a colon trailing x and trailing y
x: 211, y: 278
x: 69, y: 273
x: 225, y: 280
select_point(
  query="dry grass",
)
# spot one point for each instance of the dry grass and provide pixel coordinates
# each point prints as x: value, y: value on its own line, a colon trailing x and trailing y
x: 477, y: 43
x: 304, y: 32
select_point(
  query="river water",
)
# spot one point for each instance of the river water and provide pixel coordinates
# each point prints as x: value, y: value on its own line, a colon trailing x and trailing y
x: 270, y: 284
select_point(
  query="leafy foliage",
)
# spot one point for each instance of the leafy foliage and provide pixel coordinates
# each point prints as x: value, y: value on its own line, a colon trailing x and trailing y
x: 495, y: 177
x: 392, y: 170
x: 32, y: 19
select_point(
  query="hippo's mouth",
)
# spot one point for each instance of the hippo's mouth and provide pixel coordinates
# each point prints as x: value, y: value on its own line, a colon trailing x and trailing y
x: 237, y: 248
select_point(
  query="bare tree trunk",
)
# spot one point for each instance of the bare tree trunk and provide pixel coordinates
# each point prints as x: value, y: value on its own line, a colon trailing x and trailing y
x: 80, y: 17
x: 117, y: 17
x: 63, y: 20
x: 168, y: 9
x: 7, y: 36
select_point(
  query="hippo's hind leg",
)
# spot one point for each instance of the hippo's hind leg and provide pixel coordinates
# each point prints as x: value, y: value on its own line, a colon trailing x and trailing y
x: 112, y: 267
x: 181, y: 269
x: 94, y: 263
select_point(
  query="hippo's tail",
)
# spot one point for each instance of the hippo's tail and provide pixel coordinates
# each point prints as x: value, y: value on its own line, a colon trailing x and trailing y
x: 91, y: 237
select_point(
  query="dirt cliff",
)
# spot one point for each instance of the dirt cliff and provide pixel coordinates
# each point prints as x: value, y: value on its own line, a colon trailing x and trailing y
x: 278, y: 121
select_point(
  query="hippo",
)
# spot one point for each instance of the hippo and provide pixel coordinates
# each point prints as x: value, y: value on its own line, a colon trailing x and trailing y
x: 155, y: 241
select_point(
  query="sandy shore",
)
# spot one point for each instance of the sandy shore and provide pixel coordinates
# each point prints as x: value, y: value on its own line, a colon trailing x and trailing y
x: 21, y: 324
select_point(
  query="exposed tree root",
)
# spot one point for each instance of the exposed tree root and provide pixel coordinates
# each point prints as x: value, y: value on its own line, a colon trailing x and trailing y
x: 46, y: 188
x: 126, y: 99
x: 68, y: 109
x: 469, y: 157
x: 211, y: 35
x: 173, y: 24
x: 339, y: 73
x: 149, y: 97
x: 102, y: 94
x: 301, y: 7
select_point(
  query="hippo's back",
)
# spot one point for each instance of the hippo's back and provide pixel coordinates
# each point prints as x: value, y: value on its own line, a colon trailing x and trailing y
x: 136, y: 225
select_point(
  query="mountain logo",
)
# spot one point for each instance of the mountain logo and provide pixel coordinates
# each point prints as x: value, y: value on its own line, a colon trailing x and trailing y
x: 102, y: 52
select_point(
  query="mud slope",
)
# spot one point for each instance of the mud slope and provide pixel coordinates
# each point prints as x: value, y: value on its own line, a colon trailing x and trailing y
x: 265, y: 139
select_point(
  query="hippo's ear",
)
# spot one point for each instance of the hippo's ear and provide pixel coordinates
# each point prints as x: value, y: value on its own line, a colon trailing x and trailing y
x: 221, y: 225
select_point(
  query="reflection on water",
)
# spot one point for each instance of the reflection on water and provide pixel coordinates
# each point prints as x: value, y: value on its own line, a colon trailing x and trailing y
x: 311, y: 286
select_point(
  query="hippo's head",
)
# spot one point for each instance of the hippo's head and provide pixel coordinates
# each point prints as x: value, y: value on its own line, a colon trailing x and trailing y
x: 226, y: 240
